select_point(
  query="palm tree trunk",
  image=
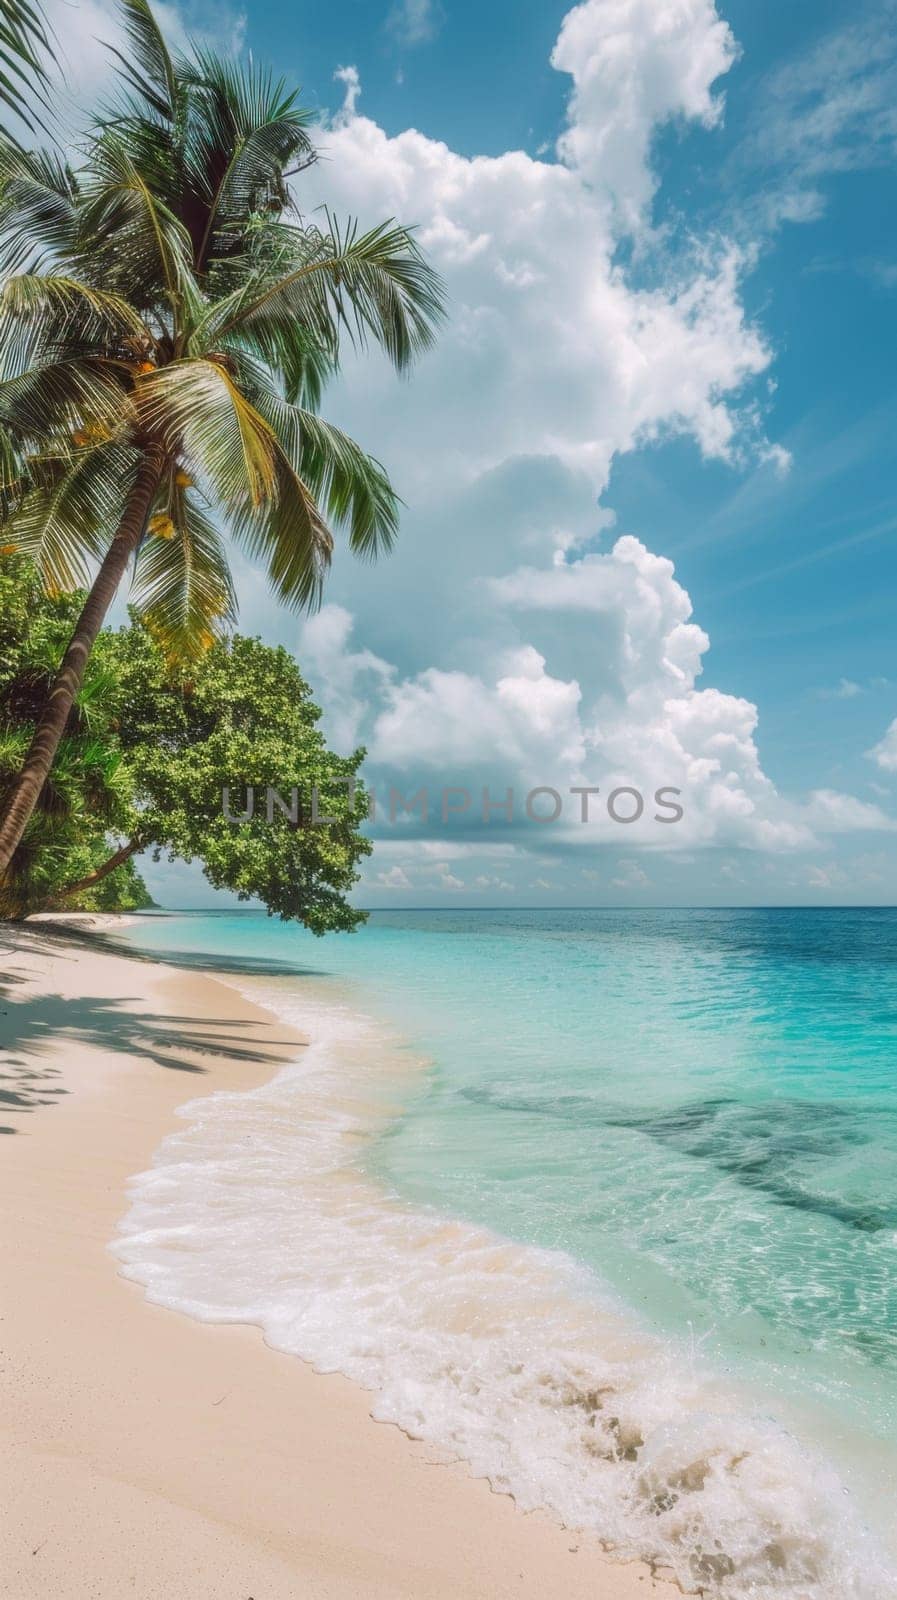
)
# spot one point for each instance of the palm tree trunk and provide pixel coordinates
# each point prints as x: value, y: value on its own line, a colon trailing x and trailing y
x: 23, y: 796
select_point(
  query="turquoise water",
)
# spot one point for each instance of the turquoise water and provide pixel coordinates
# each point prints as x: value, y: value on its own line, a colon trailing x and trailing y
x: 700, y: 1107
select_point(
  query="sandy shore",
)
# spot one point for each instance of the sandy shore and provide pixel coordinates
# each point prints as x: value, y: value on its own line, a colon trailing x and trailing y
x: 149, y: 1455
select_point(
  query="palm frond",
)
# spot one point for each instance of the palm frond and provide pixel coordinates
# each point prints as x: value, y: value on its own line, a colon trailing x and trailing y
x: 131, y: 240
x: 350, y: 486
x: 244, y: 130
x: 198, y: 410
x: 288, y: 534
x: 38, y: 209
x: 40, y: 312
x: 24, y: 42
x: 289, y: 350
x: 252, y: 182
x: 372, y: 286
x: 13, y: 472
x: 203, y: 416
x: 65, y: 521
x: 81, y: 399
x: 236, y: 97
x: 148, y: 69
x: 183, y: 588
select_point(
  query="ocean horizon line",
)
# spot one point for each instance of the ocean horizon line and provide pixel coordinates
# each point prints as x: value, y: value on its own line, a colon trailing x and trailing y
x: 796, y: 905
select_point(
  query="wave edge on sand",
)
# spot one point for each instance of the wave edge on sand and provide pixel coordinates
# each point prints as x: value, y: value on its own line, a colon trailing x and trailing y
x: 510, y: 1357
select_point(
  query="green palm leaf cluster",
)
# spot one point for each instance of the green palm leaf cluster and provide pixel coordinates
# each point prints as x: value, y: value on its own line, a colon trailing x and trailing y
x: 24, y: 47
x: 165, y: 302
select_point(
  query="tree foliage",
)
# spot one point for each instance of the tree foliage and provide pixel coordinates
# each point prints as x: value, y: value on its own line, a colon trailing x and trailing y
x: 90, y: 794
x: 151, y: 748
x: 164, y: 293
x: 168, y: 318
x: 25, y: 48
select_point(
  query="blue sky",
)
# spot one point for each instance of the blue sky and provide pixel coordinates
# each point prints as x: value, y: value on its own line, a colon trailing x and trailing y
x: 672, y: 321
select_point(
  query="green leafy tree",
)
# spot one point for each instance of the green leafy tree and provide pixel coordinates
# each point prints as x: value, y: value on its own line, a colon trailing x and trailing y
x: 90, y: 793
x: 166, y: 328
x: 151, y: 747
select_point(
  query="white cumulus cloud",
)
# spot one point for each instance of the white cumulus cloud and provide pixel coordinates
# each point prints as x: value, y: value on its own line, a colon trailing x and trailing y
x: 634, y: 716
x: 506, y: 647
x: 635, y: 65
x: 884, y: 754
x: 550, y: 349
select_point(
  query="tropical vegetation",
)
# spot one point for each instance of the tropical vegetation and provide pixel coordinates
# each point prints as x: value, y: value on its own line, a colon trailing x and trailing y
x: 168, y: 321
x: 25, y: 48
x: 146, y: 755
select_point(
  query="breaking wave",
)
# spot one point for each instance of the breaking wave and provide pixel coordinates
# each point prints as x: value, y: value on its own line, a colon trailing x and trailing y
x: 259, y: 1210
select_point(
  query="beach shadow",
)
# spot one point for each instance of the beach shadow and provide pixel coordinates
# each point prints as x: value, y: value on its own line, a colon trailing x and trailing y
x: 24, y: 1088
x: 236, y: 966
x: 30, y: 1024
x: 184, y: 960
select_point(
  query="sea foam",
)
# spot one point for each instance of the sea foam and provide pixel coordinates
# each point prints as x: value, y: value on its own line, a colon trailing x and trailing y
x: 513, y: 1358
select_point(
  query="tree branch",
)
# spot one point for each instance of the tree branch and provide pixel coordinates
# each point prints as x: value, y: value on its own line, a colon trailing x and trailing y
x: 98, y: 874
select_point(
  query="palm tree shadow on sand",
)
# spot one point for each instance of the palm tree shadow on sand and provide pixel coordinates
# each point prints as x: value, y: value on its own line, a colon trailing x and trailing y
x: 192, y: 960
x: 30, y: 1024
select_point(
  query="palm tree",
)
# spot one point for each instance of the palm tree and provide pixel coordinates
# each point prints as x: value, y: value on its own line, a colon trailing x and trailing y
x: 166, y: 328
x: 24, y: 43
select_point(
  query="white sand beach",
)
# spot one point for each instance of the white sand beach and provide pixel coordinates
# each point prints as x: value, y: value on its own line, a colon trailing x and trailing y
x: 146, y: 1454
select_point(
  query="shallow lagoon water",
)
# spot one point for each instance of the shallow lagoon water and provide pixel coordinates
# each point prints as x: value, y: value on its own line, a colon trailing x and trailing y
x: 686, y: 1119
